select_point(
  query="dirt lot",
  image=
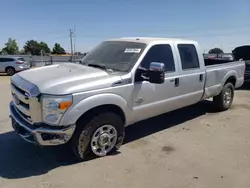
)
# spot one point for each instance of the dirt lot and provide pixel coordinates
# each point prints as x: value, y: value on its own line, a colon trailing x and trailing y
x: 192, y: 147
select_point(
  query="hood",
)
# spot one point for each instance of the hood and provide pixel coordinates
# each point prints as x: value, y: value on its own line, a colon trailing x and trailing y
x: 68, y: 78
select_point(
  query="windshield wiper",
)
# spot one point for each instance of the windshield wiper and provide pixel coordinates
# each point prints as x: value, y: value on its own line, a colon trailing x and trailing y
x: 97, y: 66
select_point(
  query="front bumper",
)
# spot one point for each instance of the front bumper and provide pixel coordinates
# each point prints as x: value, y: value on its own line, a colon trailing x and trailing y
x: 43, y: 135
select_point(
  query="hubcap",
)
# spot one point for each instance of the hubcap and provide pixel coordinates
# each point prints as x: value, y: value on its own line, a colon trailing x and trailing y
x: 9, y: 71
x: 227, y: 96
x: 103, y: 140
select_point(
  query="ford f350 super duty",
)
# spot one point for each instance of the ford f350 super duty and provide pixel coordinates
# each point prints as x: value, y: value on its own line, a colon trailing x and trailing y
x: 120, y: 82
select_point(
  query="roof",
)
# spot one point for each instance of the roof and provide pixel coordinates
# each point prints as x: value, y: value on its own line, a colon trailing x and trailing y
x: 148, y: 40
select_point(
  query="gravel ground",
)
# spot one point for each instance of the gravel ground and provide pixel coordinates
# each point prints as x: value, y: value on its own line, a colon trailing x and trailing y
x: 191, y: 147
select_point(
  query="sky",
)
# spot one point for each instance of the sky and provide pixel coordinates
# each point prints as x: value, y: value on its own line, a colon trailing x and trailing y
x: 213, y: 23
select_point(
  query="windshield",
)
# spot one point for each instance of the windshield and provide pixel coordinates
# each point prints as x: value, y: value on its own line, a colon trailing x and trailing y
x: 115, y: 55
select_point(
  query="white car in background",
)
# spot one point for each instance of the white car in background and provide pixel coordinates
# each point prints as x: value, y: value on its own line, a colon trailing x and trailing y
x: 11, y: 65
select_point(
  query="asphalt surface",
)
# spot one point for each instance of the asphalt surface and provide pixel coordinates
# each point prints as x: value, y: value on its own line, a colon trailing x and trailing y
x: 191, y: 147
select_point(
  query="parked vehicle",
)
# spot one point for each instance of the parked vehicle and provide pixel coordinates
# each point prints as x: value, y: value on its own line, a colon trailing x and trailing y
x: 247, y: 71
x: 122, y: 81
x: 11, y: 65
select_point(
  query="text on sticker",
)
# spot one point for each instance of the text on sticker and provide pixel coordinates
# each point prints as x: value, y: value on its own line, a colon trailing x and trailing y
x: 132, y: 50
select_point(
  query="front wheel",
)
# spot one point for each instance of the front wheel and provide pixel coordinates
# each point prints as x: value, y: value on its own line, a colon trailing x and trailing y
x: 224, y: 100
x: 101, y: 136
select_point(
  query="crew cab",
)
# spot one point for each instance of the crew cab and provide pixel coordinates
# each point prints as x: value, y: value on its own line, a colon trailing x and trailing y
x: 120, y: 82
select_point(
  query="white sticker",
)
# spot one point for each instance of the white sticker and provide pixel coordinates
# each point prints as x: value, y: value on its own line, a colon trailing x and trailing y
x: 132, y: 50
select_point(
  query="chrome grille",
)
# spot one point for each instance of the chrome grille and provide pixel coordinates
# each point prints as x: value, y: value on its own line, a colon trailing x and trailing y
x: 22, y: 102
x: 27, y: 104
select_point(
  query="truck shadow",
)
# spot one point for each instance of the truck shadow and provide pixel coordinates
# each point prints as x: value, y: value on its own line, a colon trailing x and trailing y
x: 168, y: 120
x: 246, y: 86
x: 19, y: 159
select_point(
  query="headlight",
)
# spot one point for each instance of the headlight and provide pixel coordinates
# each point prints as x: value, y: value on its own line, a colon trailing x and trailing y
x: 54, y: 108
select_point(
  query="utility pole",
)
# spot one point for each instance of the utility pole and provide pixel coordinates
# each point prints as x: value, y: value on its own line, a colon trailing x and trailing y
x: 74, y: 41
x: 71, y: 44
x: 41, y: 52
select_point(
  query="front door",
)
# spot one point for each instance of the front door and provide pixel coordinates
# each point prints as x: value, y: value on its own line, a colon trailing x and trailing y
x: 154, y: 99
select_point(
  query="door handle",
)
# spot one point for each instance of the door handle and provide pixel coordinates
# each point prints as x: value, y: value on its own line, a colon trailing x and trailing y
x: 201, y: 77
x: 176, y: 81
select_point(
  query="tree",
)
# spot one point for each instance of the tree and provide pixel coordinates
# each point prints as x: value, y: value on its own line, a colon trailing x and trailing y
x: 22, y: 52
x: 11, y: 47
x: 58, y: 49
x: 216, y: 51
x: 32, y: 47
x: 35, y: 48
x: 44, y: 47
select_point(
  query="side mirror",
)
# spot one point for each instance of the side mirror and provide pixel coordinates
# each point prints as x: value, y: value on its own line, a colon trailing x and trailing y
x: 156, y: 73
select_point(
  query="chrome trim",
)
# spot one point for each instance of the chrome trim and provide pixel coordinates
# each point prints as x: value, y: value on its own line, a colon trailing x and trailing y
x: 20, y: 96
x: 65, y: 133
x: 125, y: 81
x: 157, y: 66
x: 28, y: 94
x: 25, y: 119
x: 25, y: 85
x: 23, y: 109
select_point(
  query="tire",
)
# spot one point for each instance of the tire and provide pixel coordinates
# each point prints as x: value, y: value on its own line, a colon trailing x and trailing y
x: 10, y: 71
x: 223, y: 101
x: 92, y: 134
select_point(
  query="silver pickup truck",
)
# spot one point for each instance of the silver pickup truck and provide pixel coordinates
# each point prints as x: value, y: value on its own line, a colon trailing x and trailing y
x: 120, y: 82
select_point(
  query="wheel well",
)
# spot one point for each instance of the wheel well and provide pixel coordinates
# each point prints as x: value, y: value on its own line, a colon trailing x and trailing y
x: 232, y: 80
x: 8, y: 68
x: 99, y: 109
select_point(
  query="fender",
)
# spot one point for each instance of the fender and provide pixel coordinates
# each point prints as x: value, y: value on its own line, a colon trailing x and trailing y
x: 77, y: 110
x: 228, y: 75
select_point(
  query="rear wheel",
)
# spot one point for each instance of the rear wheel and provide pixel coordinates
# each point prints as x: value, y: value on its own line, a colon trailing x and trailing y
x: 224, y: 100
x: 101, y: 136
x: 10, y: 71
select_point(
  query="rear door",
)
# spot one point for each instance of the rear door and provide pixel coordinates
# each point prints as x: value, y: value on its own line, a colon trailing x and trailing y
x: 192, y: 73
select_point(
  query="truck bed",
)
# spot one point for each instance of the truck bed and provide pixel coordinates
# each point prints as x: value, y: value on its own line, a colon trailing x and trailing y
x: 216, y: 76
x: 209, y: 62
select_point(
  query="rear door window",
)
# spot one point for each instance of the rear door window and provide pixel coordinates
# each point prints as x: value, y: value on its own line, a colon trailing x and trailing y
x: 189, y: 56
x: 21, y: 59
x: 6, y: 59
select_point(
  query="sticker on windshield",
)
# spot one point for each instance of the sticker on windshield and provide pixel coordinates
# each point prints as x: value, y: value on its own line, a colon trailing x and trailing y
x: 132, y: 50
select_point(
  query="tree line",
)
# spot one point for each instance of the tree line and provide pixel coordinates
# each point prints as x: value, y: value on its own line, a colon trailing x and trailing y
x: 31, y: 47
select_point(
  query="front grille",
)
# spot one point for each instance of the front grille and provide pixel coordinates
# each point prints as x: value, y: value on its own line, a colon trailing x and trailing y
x: 26, y: 105
x: 22, y: 102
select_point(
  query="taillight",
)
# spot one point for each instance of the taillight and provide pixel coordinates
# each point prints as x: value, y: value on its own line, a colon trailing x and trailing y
x: 19, y: 62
